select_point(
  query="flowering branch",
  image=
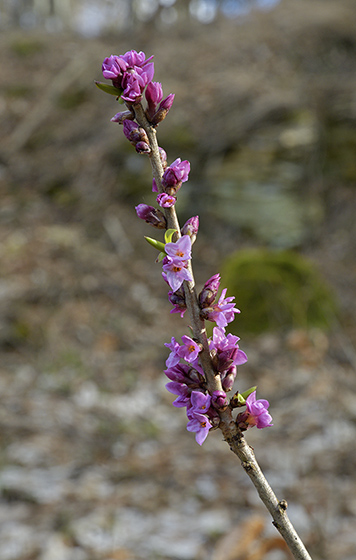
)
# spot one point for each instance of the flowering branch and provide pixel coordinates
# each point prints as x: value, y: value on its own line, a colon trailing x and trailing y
x: 201, y: 370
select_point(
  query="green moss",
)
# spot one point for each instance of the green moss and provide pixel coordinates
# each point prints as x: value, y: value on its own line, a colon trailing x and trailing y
x: 277, y: 290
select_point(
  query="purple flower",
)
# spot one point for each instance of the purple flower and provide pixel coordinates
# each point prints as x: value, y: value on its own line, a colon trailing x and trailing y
x: 166, y: 200
x: 182, y: 391
x: 190, y: 349
x: 256, y: 414
x: 175, y: 273
x: 176, y: 174
x: 258, y: 409
x: 201, y: 425
x: 180, y: 250
x: 179, y: 373
x: 222, y: 312
x: 174, y: 357
x: 130, y: 72
x: 226, y: 350
x: 113, y: 68
x: 186, y: 374
x: 223, y: 342
x: 175, y: 263
x: 134, y: 84
x: 199, y: 403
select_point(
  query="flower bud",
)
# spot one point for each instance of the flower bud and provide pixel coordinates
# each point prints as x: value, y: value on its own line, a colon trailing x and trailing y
x: 209, y: 292
x: 151, y: 215
x: 137, y: 136
x: 177, y: 299
x: 163, y: 109
x: 196, y: 378
x: 229, y: 378
x: 219, y: 400
x: 163, y: 156
x: 153, y: 94
x: 142, y: 148
x: 191, y: 227
x: 123, y: 116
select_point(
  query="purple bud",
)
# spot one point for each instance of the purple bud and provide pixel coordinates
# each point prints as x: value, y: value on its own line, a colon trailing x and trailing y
x: 197, y: 378
x: 163, y: 156
x: 163, y: 109
x: 209, y: 292
x: 191, y: 227
x: 153, y: 96
x: 121, y: 117
x: 177, y: 299
x: 167, y: 102
x: 151, y: 215
x: 131, y: 129
x: 229, y: 378
x: 142, y: 148
x: 137, y: 136
x: 219, y: 400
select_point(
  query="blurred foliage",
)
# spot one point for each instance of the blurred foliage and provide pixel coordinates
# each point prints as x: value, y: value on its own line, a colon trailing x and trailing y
x: 277, y: 290
x: 340, y: 140
x: 72, y: 98
x: 27, y: 46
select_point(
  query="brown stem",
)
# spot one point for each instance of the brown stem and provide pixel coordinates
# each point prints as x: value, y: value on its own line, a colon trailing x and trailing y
x: 232, y: 434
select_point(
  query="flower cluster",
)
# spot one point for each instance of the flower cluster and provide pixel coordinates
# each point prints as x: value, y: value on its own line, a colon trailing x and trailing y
x: 131, y: 75
x: 188, y: 380
x: 188, y: 383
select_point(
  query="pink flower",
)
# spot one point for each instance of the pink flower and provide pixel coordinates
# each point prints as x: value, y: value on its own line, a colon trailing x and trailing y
x: 166, y: 200
x: 190, y: 349
x: 181, y: 250
x: 201, y: 425
x: 256, y: 414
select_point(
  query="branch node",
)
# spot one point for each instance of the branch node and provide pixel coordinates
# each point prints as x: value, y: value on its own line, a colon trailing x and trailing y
x: 282, y: 505
x: 247, y: 465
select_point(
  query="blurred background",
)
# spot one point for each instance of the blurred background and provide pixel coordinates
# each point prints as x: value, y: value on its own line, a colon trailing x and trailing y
x: 95, y: 462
